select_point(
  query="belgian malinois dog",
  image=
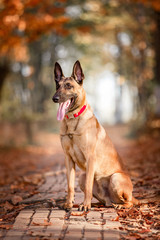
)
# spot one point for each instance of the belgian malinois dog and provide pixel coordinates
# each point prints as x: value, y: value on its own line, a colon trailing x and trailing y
x: 86, y: 144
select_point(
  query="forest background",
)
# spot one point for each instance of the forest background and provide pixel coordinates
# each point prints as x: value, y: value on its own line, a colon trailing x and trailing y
x: 117, y: 43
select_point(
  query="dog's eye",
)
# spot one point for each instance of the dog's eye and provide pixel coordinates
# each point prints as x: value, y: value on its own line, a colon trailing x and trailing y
x: 68, y: 86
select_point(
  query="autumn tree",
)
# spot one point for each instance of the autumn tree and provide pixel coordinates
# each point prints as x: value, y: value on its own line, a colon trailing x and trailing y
x: 154, y: 5
x: 121, y: 42
x: 23, y: 22
x: 114, y: 34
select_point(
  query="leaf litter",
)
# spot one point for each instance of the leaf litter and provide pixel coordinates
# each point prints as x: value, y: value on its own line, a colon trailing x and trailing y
x: 23, y: 170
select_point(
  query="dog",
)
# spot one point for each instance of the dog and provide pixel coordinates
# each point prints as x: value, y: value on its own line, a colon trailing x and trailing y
x: 85, y: 143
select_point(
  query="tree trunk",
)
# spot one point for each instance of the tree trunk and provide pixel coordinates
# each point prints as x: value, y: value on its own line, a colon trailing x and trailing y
x: 157, y: 48
x: 4, y: 70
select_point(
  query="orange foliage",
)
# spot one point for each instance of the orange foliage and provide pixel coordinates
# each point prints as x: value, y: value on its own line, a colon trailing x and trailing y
x: 25, y: 21
x: 84, y: 29
x: 155, y: 4
x: 20, y: 53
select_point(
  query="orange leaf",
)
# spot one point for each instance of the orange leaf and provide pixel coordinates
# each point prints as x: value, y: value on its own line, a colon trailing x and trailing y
x: 144, y: 230
x: 45, y: 223
x: 116, y: 219
x: 7, y: 227
x: 78, y: 213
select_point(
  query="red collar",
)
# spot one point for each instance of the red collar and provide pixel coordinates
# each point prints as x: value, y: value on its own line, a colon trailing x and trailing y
x: 79, y: 113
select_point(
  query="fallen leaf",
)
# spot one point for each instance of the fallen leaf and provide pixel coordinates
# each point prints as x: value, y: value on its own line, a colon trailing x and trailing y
x: 16, y: 199
x: 10, y: 216
x: 137, y: 236
x: 121, y: 228
x: 35, y: 179
x: 157, y: 225
x: 147, y: 215
x: 148, y: 222
x: 8, y: 206
x: 116, y: 219
x: 45, y: 223
x: 7, y: 227
x: 78, y: 213
x: 97, y: 222
x: 99, y: 209
x: 144, y: 231
x: 75, y: 205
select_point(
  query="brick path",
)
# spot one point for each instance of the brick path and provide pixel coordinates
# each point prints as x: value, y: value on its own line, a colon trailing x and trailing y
x: 42, y: 221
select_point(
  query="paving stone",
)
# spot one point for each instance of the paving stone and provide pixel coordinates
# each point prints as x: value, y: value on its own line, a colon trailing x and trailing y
x: 2, y: 233
x: 56, y: 228
x: 20, y: 225
x: 39, y: 220
x: 57, y: 214
x: 37, y: 224
x: 25, y: 214
x: 79, y: 197
x: 93, y: 234
x: 14, y: 234
x: 111, y: 235
x: 73, y: 233
x: 38, y: 233
x: 26, y: 237
x: 77, y: 220
x: 111, y: 225
x: 93, y: 225
x: 22, y: 222
x: 56, y: 223
x: 94, y: 215
x: 77, y: 223
x: 109, y: 215
x: 41, y: 197
x: 17, y: 237
x: 60, y: 183
x: 30, y: 223
x: 41, y: 213
x: 50, y: 181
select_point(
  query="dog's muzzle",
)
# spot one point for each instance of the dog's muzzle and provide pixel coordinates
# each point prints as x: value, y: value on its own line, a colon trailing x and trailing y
x: 55, y: 98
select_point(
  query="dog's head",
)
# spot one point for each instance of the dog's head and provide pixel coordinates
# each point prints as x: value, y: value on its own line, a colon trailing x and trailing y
x: 69, y: 90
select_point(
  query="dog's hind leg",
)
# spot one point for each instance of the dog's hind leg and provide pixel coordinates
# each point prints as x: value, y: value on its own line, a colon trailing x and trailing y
x: 98, y: 191
x: 120, y: 190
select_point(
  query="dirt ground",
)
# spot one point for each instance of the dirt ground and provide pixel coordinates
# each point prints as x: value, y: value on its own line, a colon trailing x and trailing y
x: 23, y: 166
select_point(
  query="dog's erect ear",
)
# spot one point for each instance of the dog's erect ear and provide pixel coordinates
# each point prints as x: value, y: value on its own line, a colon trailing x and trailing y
x: 77, y: 73
x: 58, y: 74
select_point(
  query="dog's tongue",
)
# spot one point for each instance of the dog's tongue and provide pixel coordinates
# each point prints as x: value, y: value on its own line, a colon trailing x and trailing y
x: 62, y: 109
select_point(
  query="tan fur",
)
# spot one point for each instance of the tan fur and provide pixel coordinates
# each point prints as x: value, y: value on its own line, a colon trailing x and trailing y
x: 86, y: 143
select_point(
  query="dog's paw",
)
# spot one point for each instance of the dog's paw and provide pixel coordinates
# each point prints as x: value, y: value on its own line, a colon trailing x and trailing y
x: 122, y: 206
x: 67, y: 206
x: 118, y: 206
x: 84, y: 207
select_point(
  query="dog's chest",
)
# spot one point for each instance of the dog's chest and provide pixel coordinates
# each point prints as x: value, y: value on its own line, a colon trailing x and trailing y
x: 72, y: 147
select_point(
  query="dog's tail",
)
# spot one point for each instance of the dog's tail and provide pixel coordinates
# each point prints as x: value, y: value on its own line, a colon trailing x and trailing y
x: 125, y: 198
x: 146, y: 200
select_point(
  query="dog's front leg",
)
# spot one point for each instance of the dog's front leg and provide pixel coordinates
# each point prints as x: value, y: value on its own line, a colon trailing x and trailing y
x: 86, y: 205
x: 70, y: 166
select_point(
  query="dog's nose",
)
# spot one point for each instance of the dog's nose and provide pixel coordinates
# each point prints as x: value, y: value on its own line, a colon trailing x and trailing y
x: 55, y: 98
